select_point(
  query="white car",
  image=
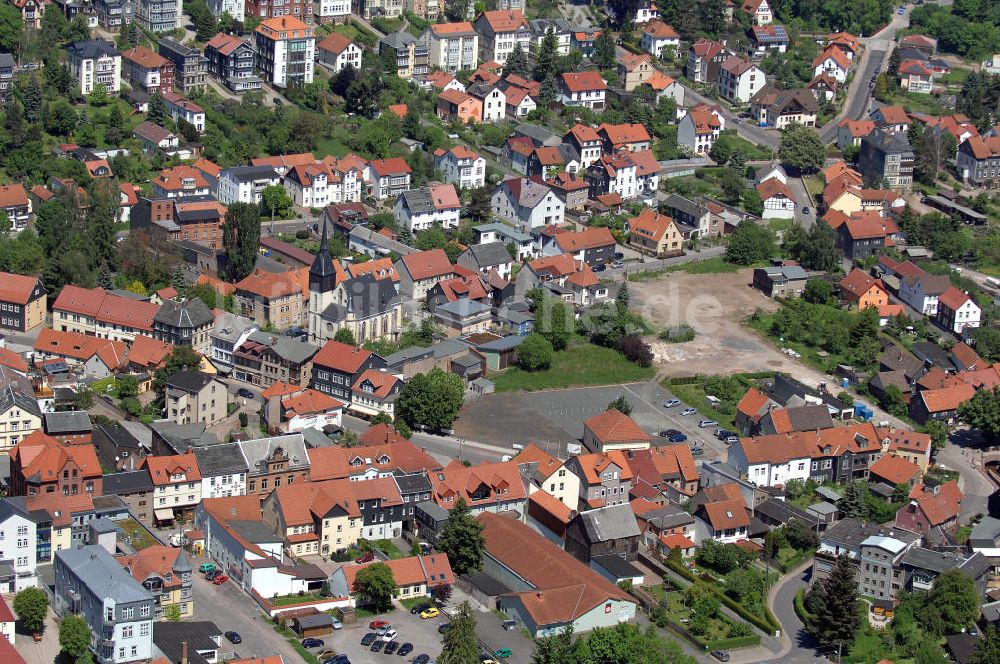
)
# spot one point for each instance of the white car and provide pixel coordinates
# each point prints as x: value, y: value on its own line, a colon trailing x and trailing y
x: 671, y: 403
x: 704, y: 424
x: 689, y: 411
x: 389, y: 636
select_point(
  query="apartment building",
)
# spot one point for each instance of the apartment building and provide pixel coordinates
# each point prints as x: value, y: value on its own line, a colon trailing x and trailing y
x: 95, y: 62
x: 452, y: 47
x: 190, y: 66
x: 286, y: 49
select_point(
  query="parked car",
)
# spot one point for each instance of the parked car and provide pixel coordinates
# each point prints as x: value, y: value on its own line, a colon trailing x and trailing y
x: 697, y: 451
x: 377, y: 645
x: 705, y: 424
x: 619, y: 255
x: 599, y: 268
x: 806, y: 210
x: 721, y: 655
x: 389, y: 635
x: 503, y: 653
x: 432, y: 612
x: 382, y: 631
x: 375, y: 624
x: 219, y: 580
x: 234, y: 637
x: 365, y: 558
x: 337, y: 659
x: 677, y: 438
x: 390, y: 647
x: 210, y: 576
x: 617, y: 265
x: 420, y: 608
x: 325, y: 654
x: 337, y: 624
x: 689, y: 411
x: 722, y: 434
x: 670, y: 403
x: 422, y: 658
x: 405, y: 649
x: 245, y: 393
x: 312, y: 642
x: 732, y: 440
x: 206, y: 567
x: 367, y: 639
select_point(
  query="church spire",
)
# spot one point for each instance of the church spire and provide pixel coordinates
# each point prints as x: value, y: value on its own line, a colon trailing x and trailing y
x: 322, y: 273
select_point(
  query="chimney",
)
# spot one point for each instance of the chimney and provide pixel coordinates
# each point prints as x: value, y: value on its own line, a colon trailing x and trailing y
x: 184, y: 652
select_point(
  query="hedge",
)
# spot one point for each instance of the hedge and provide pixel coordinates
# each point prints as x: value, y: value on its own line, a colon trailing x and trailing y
x: 767, y: 622
x: 800, y: 606
x: 792, y: 563
x: 735, y: 642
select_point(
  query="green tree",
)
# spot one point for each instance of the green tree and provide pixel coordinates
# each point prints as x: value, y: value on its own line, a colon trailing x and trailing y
x: 345, y: 336
x: 987, y: 342
x: 535, y: 353
x: 128, y: 386
x: 555, y: 649
x: 604, y: 50
x: 952, y: 604
x: 478, y: 208
x: 555, y: 323
x: 892, y: 401
x: 172, y: 613
x: 78, y: 29
x: 802, y: 149
x: 818, y: 291
x: 205, y: 293
x: 83, y: 398
x: 461, y: 646
x: 864, y: 337
x: 836, y: 618
x: 462, y: 539
x: 11, y: 28
x: 74, y: 637
x: 987, y: 650
x: 545, y: 59
x: 548, y: 93
x: 517, y: 62
x: 31, y: 99
x: 938, y: 431
x: 982, y: 412
x: 621, y: 404
x: 431, y: 399
x: 853, y: 504
x: 31, y: 604
x: 732, y: 186
x: 205, y: 25
x: 817, y: 248
x: 158, y: 113
x: 750, y: 243
x: 456, y: 10
x: 241, y: 239
x: 275, y: 201
x: 751, y: 202
x: 376, y: 584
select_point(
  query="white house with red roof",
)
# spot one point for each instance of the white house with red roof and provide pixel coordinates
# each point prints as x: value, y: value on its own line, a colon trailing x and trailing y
x: 739, y: 79
x: 96, y: 312
x: 388, y: 177
x: 700, y: 128
x: 419, y: 271
x: 461, y: 166
x: 499, y: 31
x: 15, y: 203
x: 832, y: 62
x: 420, y: 209
x: 759, y: 10
x: 613, y: 430
x: 337, y: 51
x: 416, y: 576
x: 583, y: 88
x: 777, y: 197
x: 957, y: 312
x: 658, y: 36
x: 587, y: 143
x: 914, y: 76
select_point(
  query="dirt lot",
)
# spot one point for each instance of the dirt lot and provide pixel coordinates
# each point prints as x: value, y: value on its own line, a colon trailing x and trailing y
x: 714, y: 305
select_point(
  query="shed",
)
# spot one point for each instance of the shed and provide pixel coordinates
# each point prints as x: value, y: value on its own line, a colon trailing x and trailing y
x: 318, y: 624
x: 616, y: 569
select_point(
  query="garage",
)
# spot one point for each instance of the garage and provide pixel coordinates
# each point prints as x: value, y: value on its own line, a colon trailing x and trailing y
x: 317, y: 624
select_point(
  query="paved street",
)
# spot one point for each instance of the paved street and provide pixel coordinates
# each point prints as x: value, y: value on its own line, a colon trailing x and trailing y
x: 964, y: 453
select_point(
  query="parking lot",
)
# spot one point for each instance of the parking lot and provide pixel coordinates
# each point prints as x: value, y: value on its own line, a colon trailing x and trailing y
x: 411, y: 629
x: 554, y: 418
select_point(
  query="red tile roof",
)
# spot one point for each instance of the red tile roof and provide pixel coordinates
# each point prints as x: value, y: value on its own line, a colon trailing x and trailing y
x: 753, y: 403
x: 953, y: 298
x: 434, y: 570
x: 382, y: 382
x: 16, y: 288
x: 427, y: 264
x: 393, y: 166
x: 621, y: 134
x: 938, y: 506
x: 894, y: 469
x: 947, y: 398
x: 157, y: 560
x: 613, y: 426
x: 148, y: 352
x: 502, y: 481
x: 43, y: 457
x: 589, y: 238
x: 583, y: 81
x: 592, y: 465
x: 505, y: 21
x: 81, y: 347
x: 342, y: 357
x: 9, y: 358
x: 162, y: 467
x: 858, y: 283
x: 773, y: 187
x: 334, y: 43
x: 727, y: 514
x: 13, y: 195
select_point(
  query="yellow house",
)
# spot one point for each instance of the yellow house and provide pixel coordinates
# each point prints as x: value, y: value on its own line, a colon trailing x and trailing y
x: 19, y: 416
x: 56, y: 532
x: 843, y: 196
x: 166, y: 573
x: 655, y: 234
x: 314, y: 517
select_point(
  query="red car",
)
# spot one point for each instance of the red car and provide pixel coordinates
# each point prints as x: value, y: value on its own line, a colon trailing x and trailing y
x: 219, y: 580
x: 367, y: 558
x: 375, y: 624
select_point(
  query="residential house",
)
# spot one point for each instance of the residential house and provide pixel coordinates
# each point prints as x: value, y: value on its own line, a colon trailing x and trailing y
x: 486, y: 258
x: 655, y: 234
x: 543, y: 578
x: 780, y: 280
x: 95, y: 62
x: 863, y: 291
x: 337, y: 51
x: 117, y: 608
x: 586, y: 142
x: 190, y: 65
x: 560, y: 28
x: 957, y: 311
x: 488, y: 487
x: 411, y: 54
x: 940, y: 404
x: 375, y: 392
x: 613, y: 430
x: 499, y: 31
x: 23, y: 300
x: 157, y: 15
x: 765, y: 39
x: 182, y: 108
x: 700, y: 128
x: 606, y: 531
x: 739, y: 80
x: 778, y: 199
x: 824, y: 88
x: 628, y: 137
x: 415, y: 576
x: 389, y: 177
x: 658, y: 36
x: 291, y: 408
x: 276, y: 299
x: 72, y: 427
x: 893, y: 119
x: 233, y: 61
x: 613, y: 174
x: 245, y: 184
x: 879, y: 564
x: 423, y: 208
x: 19, y: 548
x: 832, y: 62
x: 931, y: 506
x: 286, y: 50
x: 228, y: 334
x: 527, y: 203
x: 585, y: 88
x: 181, y: 181
x: 978, y: 161
x: 593, y: 245
x: 154, y: 137
x: 807, y: 417
x: 14, y: 202
x: 274, y: 462
x: 605, y: 478
x: 148, y: 71
x: 563, y: 277
x: 98, y: 358
x: 726, y: 521
x: 177, y: 482
x: 41, y: 464
x: 703, y: 61
x: 314, y: 517
x: 634, y: 69
x: 570, y: 189
x: 550, y: 475
x: 669, y: 470
x: 382, y: 508
x: 455, y: 104
x: 892, y: 470
x: 186, y: 323
x: 192, y: 396
x: 914, y: 76
x: 781, y: 108
x: 452, y: 47
x: 223, y: 470
x: 922, y: 291
x: 461, y: 166
x: 419, y: 271
x: 32, y: 12
x: 759, y: 10
x: 924, y: 44
x: 165, y: 572
x: 337, y: 368
x: 264, y: 359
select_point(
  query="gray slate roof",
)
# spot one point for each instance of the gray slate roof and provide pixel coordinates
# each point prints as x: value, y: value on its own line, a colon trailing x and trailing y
x: 487, y: 255
x: 287, y: 348
x: 783, y: 512
x: 67, y: 422
x: 92, y: 49
x: 257, y: 450
x: 10, y: 396
x: 101, y: 573
x: 463, y: 307
x: 985, y: 533
x: 190, y: 381
x: 610, y: 523
x: 935, y: 561
x: 7, y: 61
x: 366, y: 297
x: 181, y: 437
x: 187, y: 314
x: 230, y: 327
x: 249, y: 173
x: 120, y: 484
x: 224, y: 459
x: 617, y: 565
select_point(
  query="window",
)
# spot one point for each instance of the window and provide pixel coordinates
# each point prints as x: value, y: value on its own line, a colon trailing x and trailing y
x: 127, y: 631
x: 128, y: 613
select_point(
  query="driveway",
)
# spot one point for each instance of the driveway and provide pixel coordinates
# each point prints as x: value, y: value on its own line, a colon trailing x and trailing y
x: 46, y: 650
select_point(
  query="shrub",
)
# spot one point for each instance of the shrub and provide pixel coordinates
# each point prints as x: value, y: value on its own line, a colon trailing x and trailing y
x: 636, y: 350
x: 678, y: 335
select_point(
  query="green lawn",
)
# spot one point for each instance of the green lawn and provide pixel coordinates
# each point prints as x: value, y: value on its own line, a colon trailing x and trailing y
x: 694, y: 395
x: 583, y: 364
x: 137, y: 536
x: 286, y: 600
x: 330, y: 146
x: 716, y: 265
x: 389, y: 549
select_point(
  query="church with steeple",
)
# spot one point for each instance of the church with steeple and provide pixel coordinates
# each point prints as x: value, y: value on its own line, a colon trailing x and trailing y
x: 370, y: 308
